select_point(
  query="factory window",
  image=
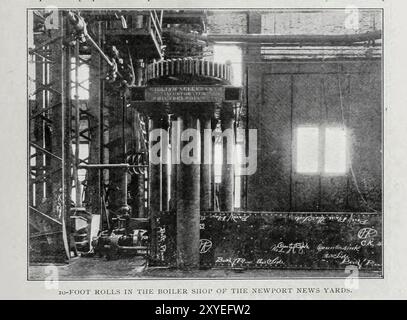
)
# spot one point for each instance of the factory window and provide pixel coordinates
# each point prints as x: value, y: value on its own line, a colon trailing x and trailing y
x: 223, y: 53
x: 312, y: 158
x: 307, y: 149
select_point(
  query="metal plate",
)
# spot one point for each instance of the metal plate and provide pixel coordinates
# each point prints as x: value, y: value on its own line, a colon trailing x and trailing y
x: 184, y: 94
x: 283, y: 240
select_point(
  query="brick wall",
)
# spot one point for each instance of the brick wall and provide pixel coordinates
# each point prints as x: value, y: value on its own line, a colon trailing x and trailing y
x: 327, y: 22
x: 227, y: 22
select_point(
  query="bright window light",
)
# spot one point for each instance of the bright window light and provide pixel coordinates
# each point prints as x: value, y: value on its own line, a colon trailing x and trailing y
x: 335, y: 150
x: 233, y: 53
x: 307, y: 149
x: 218, y: 162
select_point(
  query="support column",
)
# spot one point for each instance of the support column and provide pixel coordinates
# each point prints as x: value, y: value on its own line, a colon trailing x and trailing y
x: 141, y: 177
x: 215, y: 206
x: 38, y: 126
x: 117, y: 149
x: 227, y: 183
x: 61, y: 135
x: 94, y: 191
x: 175, y: 152
x: 188, y: 203
x: 164, y: 166
x: 76, y: 128
x: 136, y: 185
x: 66, y: 144
x: 93, y: 195
x: 206, y: 163
x: 141, y: 195
x: 154, y: 186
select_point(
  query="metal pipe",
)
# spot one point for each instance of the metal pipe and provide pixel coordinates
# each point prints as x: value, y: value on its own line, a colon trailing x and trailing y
x: 206, y: 163
x: 77, y: 128
x: 154, y: 189
x: 164, y: 165
x: 272, y: 38
x: 188, y: 205
x: 63, y: 141
x: 174, y: 156
x: 109, y: 166
x: 95, y: 45
x: 80, y: 26
x: 141, y: 196
x: 226, y: 191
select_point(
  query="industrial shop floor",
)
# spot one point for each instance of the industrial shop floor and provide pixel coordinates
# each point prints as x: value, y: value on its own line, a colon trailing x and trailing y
x: 91, y: 268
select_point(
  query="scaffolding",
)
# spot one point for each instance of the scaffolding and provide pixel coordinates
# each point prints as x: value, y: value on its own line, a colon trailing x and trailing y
x: 80, y: 129
x: 49, y: 141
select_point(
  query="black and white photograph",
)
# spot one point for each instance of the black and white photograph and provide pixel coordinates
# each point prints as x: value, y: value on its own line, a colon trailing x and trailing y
x: 205, y: 143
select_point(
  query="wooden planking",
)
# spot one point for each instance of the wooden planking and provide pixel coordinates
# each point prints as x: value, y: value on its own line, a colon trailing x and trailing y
x: 307, y: 110
x: 253, y: 114
x: 334, y: 188
x: 274, y: 157
x: 315, y: 100
x: 365, y: 122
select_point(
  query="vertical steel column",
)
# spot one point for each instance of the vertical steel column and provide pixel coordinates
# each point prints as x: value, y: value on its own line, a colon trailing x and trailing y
x: 155, y: 190
x: 228, y: 178
x: 164, y: 166
x: 41, y: 69
x: 57, y: 118
x: 78, y: 199
x: 214, y: 207
x: 95, y: 128
x: 206, y: 162
x: 66, y: 139
x: 137, y: 186
x: 104, y: 130
x: 51, y: 214
x: 141, y: 196
x: 117, y: 149
x: 188, y: 205
x: 174, y: 160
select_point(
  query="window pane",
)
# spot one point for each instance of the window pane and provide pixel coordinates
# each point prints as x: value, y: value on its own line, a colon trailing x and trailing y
x: 335, y: 150
x: 307, y: 149
x: 233, y: 54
